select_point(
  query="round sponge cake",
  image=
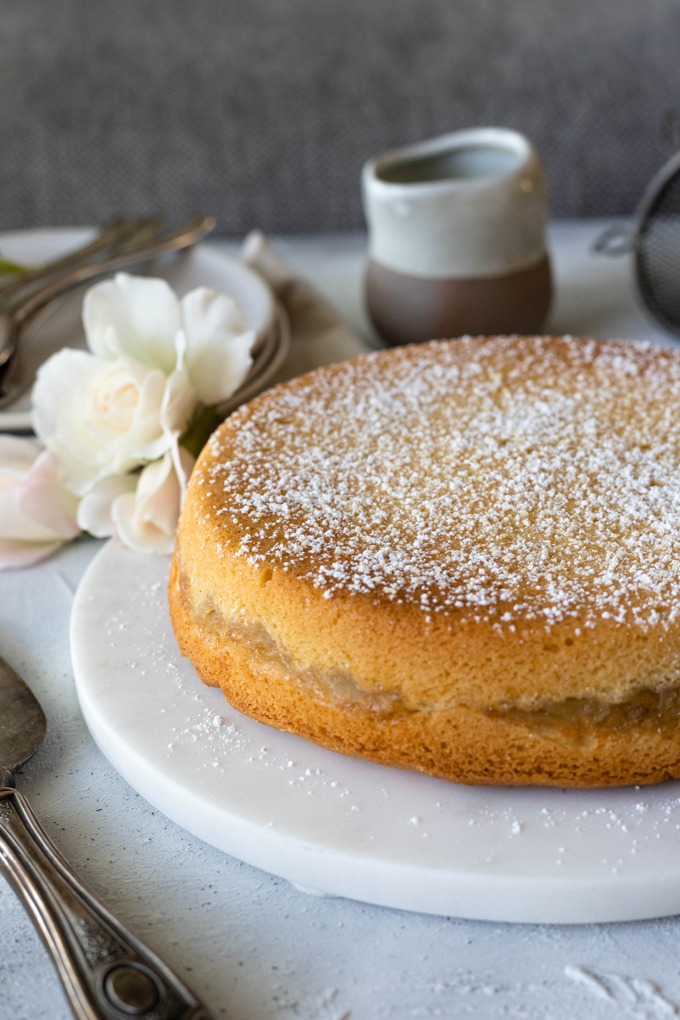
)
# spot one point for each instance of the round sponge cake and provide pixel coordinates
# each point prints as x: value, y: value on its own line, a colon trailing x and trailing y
x: 460, y: 557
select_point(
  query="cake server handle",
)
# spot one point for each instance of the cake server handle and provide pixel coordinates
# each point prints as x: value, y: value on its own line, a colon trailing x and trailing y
x: 106, y: 971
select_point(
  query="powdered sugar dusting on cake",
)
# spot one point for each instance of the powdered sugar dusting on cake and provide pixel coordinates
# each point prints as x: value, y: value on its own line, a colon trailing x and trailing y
x: 505, y: 479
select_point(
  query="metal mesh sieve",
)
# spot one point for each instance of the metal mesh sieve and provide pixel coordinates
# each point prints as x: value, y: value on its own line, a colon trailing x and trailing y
x: 654, y: 242
x: 656, y: 246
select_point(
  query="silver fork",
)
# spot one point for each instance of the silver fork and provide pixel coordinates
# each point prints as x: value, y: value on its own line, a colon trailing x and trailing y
x: 123, y: 248
x: 112, y: 236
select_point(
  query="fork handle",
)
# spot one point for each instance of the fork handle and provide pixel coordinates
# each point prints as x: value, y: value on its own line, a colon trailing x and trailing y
x: 106, y: 971
x: 115, y: 233
x: 141, y: 249
x: 12, y: 325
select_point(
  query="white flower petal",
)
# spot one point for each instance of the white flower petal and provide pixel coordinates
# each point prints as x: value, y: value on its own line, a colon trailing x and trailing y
x: 37, y: 514
x: 104, y: 418
x: 95, y: 512
x: 180, y: 400
x: 16, y: 525
x: 43, y: 498
x: 147, y: 520
x: 135, y: 317
x: 17, y: 456
x: 17, y: 554
x: 219, y: 345
x: 66, y: 374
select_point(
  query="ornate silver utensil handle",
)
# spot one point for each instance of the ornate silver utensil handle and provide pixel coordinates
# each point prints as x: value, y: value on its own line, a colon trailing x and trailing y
x: 106, y: 971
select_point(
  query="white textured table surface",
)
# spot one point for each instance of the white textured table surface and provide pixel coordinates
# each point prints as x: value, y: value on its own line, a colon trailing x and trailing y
x: 251, y: 945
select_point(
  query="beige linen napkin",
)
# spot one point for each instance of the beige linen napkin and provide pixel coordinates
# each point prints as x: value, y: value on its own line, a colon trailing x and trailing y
x: 319, y: 335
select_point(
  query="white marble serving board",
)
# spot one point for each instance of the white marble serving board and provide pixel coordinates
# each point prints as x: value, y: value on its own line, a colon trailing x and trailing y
x: 342, y: 826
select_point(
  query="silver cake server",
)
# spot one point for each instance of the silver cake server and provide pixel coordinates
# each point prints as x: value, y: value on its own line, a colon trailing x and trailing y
x: 106, y: 971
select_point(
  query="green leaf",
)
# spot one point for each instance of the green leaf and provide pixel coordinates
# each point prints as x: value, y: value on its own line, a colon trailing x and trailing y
x: 203, y: 424
x: 8, y: 267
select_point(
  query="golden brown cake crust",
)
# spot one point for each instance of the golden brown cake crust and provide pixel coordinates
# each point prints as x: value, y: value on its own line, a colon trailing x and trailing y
x: 461, y: 557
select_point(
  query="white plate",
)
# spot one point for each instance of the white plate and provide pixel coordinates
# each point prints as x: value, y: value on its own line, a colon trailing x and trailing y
x: 339, y: 825
x: 203, y: 265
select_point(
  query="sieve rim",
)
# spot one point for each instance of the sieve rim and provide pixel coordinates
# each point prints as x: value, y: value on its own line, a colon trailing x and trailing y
x: 650, y: 197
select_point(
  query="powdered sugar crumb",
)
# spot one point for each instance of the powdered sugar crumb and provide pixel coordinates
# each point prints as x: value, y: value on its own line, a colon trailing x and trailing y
x: 514, y: 479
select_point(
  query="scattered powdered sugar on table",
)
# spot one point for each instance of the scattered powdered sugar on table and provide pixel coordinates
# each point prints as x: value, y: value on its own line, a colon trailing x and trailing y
x: 325, y: 1006
x: 535, y: 478
x: 638, y: 995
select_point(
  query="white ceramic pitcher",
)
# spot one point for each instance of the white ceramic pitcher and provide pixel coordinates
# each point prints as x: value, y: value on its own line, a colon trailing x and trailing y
x: 457, y: 237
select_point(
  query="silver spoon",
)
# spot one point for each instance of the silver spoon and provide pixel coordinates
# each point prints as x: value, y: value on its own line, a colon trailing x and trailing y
x: 106, y: 971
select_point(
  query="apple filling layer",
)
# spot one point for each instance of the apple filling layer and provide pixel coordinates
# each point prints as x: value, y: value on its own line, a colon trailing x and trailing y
x: 337, y: 686
x: 648, y: 707
x: 571, y: 717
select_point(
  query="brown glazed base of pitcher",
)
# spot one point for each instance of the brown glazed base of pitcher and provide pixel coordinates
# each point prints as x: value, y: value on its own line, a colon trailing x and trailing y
x: 407, y: 309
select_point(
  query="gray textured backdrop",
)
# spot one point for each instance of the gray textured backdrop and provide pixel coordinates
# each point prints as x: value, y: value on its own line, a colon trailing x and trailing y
x: 262, y: 111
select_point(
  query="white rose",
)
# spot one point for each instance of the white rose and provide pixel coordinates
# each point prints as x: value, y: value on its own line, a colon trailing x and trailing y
x: 112, y: 418
x: 37, y: 514
x: 218, y: 352
x: 139, y: 318
x: 141, y: 510
x: 154, y: 361
x: 104, y: 418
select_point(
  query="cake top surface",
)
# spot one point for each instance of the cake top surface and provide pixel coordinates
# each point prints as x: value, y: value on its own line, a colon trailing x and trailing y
x: 501, y: 478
